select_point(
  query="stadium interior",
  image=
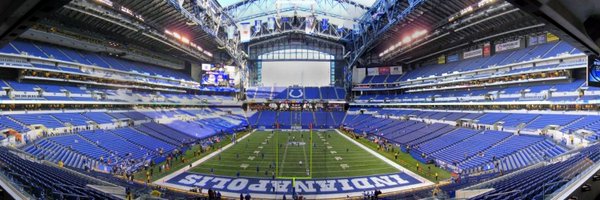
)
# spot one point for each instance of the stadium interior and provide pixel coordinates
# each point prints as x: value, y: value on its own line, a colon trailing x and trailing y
x: 300, y: 99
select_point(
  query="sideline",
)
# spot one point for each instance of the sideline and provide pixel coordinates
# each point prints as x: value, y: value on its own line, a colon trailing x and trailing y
x: 388, y: 161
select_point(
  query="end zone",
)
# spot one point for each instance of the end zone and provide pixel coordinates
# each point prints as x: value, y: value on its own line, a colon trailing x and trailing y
x: 309, y: 188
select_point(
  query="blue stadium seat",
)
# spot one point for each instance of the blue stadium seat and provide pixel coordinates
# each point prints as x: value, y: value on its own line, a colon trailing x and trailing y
x: 48, y: 182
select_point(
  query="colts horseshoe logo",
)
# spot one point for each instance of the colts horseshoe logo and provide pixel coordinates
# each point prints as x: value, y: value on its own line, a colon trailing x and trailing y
x: 298, y: 95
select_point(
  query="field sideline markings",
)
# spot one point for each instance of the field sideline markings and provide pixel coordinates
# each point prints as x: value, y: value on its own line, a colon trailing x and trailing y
x: 201, y: 160
x: 306, y: 163
x: 388, y: 161
x: 262, y: 156
x: 284, y: 155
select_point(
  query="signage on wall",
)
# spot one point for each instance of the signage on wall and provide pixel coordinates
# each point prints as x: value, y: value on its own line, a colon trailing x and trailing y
x: 441, y: 59
x: 396, y: 70
x: 384, y: 70
x: 508, y: 45
x: 452, y: 58
x: 207, y: 67
x: 473, y: 53
x: 551, y: 37
x: 487, y: 49
x: 372, y: 71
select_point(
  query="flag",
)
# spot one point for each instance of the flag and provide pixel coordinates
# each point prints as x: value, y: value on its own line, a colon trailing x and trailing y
x: 325, y: 24
x: 230, y: 32
x: 309, y: 28
x: 245, y: 32
x: 340, y: 28
x: 356, y: 28
x: 257, y: 25
x: 271, y: 23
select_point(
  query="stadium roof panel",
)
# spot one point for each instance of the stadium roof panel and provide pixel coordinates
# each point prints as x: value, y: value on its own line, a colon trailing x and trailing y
x: 341, y: 12
x: 450, y: 30
x: 150, y: 15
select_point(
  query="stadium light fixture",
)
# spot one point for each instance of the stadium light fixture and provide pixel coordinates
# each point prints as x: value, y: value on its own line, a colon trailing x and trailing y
x: 106, y: 2
x: 127, y: 10
x: 415, y: 34
x: 406, y: 39
x: 485, y: 2
x: 185, y: 40
x: 486, y: 19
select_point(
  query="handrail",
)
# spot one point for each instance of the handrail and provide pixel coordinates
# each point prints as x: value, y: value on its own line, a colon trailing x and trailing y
x: 575, y: 182
x: 80, y: 174
x: 10, y: 187
x: 551, y: 184
x: 505, y: 193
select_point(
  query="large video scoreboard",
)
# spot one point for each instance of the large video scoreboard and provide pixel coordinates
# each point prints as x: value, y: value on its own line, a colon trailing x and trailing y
x: 594, y: 71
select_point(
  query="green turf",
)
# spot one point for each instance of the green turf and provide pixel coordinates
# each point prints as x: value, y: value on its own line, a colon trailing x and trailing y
x: 189, y: 156
x: 285, y: 158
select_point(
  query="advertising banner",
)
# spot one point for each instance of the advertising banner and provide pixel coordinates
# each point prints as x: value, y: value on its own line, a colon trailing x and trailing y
x: 533, y: 40
x: 487, y: 50
x: 551, y: 37
x: 441, y: 59
x: 396, y: 70
x: 452, y: 58
x: 508, y: 45
x: 372, y: 71
x: 384, y: 70
x: 473, y: 53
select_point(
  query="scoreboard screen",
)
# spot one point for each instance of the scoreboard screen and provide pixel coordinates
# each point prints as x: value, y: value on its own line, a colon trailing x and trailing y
x: 594, y: 71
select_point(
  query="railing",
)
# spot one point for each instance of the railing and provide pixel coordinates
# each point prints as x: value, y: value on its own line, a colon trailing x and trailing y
x: 546, y: 185
x: 14, y: 188
x: 574, y: 184
x: 509, y: 175
x: 506, y: 193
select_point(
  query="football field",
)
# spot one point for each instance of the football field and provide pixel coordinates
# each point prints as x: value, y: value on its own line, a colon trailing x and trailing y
x: 295, y: 154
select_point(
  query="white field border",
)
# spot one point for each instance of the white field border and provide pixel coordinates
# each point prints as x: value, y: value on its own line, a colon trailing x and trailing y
x: 424, y: 182
x: 386, y: 160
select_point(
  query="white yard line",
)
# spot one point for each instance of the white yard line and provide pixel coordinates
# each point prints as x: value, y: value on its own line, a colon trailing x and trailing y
x: 306, y: 161
x: 388, y: 161
x: 198, y: 162
x: 284, y: 156
x: 424, y: 181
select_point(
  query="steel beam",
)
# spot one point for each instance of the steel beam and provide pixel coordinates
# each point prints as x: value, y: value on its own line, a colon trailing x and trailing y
x: 213, y: 20
x: 387, y: 13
